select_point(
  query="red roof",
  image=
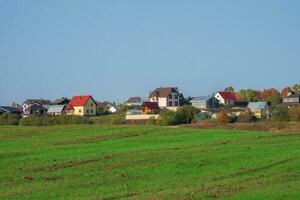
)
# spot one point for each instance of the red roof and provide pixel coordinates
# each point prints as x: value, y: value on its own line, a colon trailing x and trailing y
x: 227, y: 96
x: 151, y: 105
x: 78, y: 101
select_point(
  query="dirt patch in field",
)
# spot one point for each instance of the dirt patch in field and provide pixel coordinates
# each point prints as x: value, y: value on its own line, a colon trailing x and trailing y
x: 99, y: 138
x: 58, y: 166
x: 245, y: 171
x: 53, y: 178
x: 120, y: 196
x: 27, y: 178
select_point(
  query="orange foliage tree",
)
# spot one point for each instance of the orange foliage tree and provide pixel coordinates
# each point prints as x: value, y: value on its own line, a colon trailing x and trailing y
x: 223, y: 118
x: 284, y: 92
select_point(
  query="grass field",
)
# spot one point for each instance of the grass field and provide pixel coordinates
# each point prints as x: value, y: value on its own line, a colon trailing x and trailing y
x: 139, y: 162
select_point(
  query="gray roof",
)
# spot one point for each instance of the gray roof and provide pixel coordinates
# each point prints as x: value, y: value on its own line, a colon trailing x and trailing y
x: 257, y: 105
x: 201, y: 98
x: 10, y: 109
x: 55, y: 108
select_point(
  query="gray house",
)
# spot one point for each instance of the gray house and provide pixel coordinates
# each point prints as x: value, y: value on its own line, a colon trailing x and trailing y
x: 205, y: 102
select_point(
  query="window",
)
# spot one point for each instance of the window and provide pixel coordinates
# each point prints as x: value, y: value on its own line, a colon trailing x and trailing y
x: 92, y: 111
x: 79, y: 111
x: 176, y: 103
x: 170, y: 96
x: 91, y: 105
x: 176, y: 96
x: 87, y: 110
x: 170, y: 103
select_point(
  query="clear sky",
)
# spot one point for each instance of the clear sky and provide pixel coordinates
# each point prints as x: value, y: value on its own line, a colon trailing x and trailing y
x: 116, y: 49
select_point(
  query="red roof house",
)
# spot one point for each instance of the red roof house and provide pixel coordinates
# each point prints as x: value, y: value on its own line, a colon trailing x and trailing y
x: 150, y: 107
x: 81, y: 105
x: 226, y: 98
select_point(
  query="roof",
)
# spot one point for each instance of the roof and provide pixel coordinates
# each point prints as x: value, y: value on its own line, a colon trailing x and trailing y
x: 293, y: 96
x: 10, y: 109
x: 201, y: 98
x: 103, y: 104
x: 227, y: 95
x: 60, y: 101
x: 37, y: 101
x: 163, y: 91
x: 257, y: 105
x: 78, y: 101
x: 134, y: 100
x: 151, y: 105
x: 56, y: 108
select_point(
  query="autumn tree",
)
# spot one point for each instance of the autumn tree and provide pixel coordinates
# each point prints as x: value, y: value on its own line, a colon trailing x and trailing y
x: 267, y: 94
x: 222, y: 117
x: 285, y: 91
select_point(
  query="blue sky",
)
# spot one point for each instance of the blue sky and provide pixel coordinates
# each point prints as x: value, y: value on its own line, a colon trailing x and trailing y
x: 116, y: 49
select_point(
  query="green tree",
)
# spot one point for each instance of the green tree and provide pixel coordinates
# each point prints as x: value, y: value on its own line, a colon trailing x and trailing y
x: 185, y: 114
x: 166, y: 118
x: 280, y: 113
x: 276, y: 100
x: 229, y: 89
x: 184, y: 100
x: 296, y: 88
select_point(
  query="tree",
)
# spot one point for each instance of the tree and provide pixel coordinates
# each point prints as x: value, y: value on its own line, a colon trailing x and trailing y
x: 247, y: 95
x: 285, y: 91
x: 229, y: 89
x: 223, y: 118
x: 275, y: 100
x: 296, y: 88
x: 280, y: 113
x: 167, y: 117
x: 124, y: 108
x: 184, y: 100
x: 267, y: 94
x: 185, y: 114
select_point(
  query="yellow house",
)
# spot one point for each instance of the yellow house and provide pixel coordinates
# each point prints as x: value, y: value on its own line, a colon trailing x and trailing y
x: 82, y: 106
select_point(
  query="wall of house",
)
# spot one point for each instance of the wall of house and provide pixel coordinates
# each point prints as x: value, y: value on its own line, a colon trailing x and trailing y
x: 220, y: 98
x: 140, y: 117
x: 162, y: 102
x: 90, y: 108
x: 199, y: 104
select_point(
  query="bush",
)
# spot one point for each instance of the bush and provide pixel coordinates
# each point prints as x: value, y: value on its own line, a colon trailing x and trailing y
x: 222, y: 117
x: 151, y: 121
x: 166, y: 118
x: 280, y: 113
x: 9, y: 119
x: 294, y: 114
x: 246, y: 117
x: 53, y: 120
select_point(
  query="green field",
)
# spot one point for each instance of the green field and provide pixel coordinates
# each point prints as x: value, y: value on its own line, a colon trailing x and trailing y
x: 140, y: 162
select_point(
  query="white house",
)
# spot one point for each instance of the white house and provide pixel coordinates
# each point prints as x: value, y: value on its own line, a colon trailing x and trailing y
x: 166, y: 97
x: 226, y: 98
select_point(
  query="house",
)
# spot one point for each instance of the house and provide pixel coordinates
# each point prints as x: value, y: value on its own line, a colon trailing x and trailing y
x: 36, y: 109
x: 205, y: 102
x: 105, y: 107
x: 150, y: 107
x: 56, y: 109
x: 39, y: 106
x: 226, y: 98
x: 166, y: 97
x: 259, y: 109
x: 61, y: 101
x: 291, y: 100
x: 82, y: 106
x: 9, y: 109
x: 134, y: 101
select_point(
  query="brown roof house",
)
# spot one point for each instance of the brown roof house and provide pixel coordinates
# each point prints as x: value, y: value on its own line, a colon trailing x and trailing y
x: 166, y: 97
x: 134, y: 101
x: 150, y: 107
